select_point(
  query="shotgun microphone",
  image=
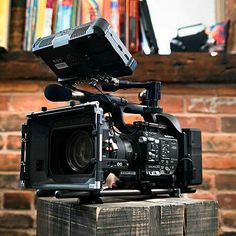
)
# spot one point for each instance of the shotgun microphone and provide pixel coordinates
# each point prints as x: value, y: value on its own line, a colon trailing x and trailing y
x: 57, y: 93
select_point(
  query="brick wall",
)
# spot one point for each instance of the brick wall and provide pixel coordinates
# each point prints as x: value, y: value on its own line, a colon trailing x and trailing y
x: 212, y: 108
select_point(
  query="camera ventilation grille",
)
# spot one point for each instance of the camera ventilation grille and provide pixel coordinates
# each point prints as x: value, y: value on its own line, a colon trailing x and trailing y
x: 46, y: 42
x: 80, y: 31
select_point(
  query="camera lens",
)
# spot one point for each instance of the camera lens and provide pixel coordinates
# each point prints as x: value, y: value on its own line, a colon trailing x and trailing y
x: 79, y: 151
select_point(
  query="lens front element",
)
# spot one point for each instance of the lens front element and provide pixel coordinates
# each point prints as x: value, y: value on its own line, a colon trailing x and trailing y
x: 79, y: 151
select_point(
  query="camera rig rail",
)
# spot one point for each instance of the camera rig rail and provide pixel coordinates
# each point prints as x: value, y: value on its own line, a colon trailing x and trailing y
x: 70, y: 151
x: 154, y: 119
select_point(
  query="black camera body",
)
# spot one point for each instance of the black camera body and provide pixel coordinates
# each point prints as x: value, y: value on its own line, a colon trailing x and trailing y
x: 73, y: 149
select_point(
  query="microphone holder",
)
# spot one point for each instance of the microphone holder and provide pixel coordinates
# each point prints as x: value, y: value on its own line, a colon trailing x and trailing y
x: 150, y: 98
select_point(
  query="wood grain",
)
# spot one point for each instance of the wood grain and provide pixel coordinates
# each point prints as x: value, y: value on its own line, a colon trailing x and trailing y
x: 175, y: 68
x: 154, y: 217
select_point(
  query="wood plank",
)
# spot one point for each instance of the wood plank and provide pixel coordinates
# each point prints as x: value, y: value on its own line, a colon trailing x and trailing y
x: 155, y: 217
x: 23, y: 66
x: 230, y: 14
x: 174, y: 68
x: 187, y: 68
x: 200, y: 216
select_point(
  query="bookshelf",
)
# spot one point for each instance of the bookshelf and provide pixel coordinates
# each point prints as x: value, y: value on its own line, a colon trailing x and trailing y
x: 175, y: 68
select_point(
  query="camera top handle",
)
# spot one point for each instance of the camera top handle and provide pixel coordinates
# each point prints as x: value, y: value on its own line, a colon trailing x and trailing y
x: 150, y: 97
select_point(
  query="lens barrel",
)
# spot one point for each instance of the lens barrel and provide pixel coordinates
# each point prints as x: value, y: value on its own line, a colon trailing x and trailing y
x: 79, y: 151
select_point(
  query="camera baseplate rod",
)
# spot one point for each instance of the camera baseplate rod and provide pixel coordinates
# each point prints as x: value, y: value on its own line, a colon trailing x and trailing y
x: 175, y: 192
x: 121, y: 192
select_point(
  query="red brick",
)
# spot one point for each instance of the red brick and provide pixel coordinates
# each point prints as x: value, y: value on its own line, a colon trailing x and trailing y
x: 4, y: 100
x: 11, y: 122
x: 226, y: 181
x: 228, y: 124
x: 19, y: 86
x: 200, y: 194
x: 188, y: 89
x: 18, y: 200
x: 219, y: 143
x: 226, y: 90
x: 9, y: 162
x: 9, y: 181
x: 208, y: 181
x: 15, y: 220
x: 200, y: 89
x: 13, y: 142
x: 172, y: 104
x: 212, y: 104
x: 206, y: 124
x: 130, y: 118
x: 169, y: 103
x: 229, y: 218
x: 89, y: 88
x: 227, y: 200
x: 131, y: 98
x: 27, y: 103
x: 219, y: 162
x: 131, y: 94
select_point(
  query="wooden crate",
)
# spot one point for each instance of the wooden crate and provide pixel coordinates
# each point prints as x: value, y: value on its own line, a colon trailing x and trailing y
x: 163, y: 216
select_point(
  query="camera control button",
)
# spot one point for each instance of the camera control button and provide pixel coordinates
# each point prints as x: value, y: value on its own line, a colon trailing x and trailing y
x: 142, y: 139
x: 151, y: 139
x: 151, y: 155
x: 167, y: 169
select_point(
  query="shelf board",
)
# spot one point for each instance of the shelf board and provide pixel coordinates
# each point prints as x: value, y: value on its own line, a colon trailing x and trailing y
x: 174, y: 68
x: 187, y: 68
x: 23, y: 66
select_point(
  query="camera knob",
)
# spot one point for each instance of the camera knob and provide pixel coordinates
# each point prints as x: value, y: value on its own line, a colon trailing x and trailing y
x: 167, y: 169
x: 142, y: 139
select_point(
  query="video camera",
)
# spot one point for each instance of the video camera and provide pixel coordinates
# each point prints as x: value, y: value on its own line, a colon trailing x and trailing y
x: 69, y: 151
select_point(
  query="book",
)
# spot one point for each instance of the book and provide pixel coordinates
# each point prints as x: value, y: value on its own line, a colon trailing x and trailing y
x: 33, y: 19
x: 148, y: 38
x: 30, y: 24
x: 27, y: 24
x: 44, y: 17
x: 4, y: 23
x: 48, y: 19
x: 79, y: 13
x: 74, y: 13
x: 17, y: 22
x: 64, y: 14
x: 41, y: 10
x: 115, y: 16
x: 105, y: 9
x: 90, y: 10
x: 122, y: 20
x: 132, y: 25
x: 108, y: 9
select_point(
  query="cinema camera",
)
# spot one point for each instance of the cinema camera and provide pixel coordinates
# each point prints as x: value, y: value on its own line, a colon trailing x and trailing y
x: 71, y: 150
